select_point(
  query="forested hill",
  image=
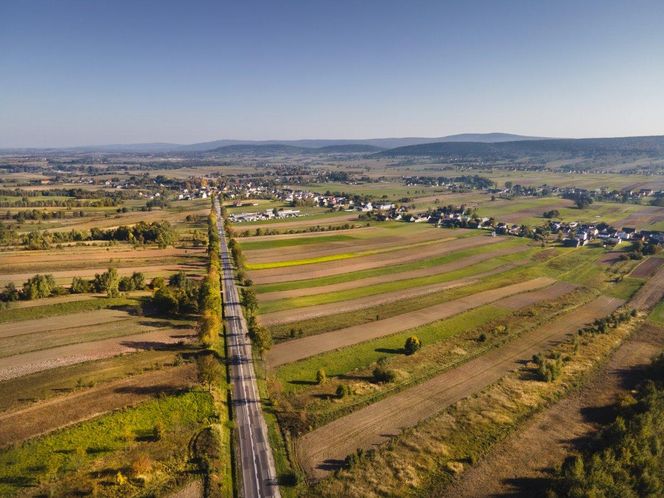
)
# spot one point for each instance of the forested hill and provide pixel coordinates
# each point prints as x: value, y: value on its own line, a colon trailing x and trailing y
x: 584, y: 147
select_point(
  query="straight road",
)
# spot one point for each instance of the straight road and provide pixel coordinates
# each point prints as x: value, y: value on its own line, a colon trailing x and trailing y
x: 259, y: 477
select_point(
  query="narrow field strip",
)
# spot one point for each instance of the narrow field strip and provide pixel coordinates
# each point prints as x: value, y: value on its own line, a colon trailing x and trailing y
x: 37, y: 341
x: 401, y: 256
x: 280, y: 242
x: 320, y: 450
x: 337, y: 256
x: 298, y: 349
x: 45, y: 308
x: 46, y: 416
x: 36, y: 361
x: 53, y: 300
x: 23, y: 391
x: 421, y: 265
x: 526, y: 299
x: 40, y: 325
x: 356, y: 299
x: 379, y: 240
x: 393, y: 275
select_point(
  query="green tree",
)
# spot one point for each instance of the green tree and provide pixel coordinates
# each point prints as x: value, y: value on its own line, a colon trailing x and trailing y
x: 209, y: 370
x: 412, y: 345
x: 261, y: 338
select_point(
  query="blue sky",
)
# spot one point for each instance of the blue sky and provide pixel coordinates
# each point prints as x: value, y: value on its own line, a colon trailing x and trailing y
x: 96, y: 71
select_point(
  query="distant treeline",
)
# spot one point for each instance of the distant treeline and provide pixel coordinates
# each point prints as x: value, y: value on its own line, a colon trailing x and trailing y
x: 37, y: 215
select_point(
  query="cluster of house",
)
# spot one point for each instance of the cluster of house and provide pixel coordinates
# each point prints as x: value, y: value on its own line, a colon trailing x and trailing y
x: 195, y: 193
x: 579, y: 234
x: 268, y: 214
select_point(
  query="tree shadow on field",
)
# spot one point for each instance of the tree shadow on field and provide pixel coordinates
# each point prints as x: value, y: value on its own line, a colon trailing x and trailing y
x: 151, y: 390
x: 19, y: 481
x: 332, y: 464
x: 366, y: 378
x: 390, y: 351
x: 527, y: 487
x: 153, y: 345
x: 303, y: 382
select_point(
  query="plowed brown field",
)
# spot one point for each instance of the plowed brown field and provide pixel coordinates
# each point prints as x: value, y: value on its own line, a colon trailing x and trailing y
x: 647, y: 268
x: 651, y: 292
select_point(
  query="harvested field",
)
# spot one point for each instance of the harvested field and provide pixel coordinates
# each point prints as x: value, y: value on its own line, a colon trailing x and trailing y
x: 54, y: 300
x: 46, y: 416
x: 323, y: 449
x: 536, y: 211
x: 362, y: 263
x: 648, y: 268
x: 298, y: 349
x: 47, y: 339
x: 521, y: 465
x: 86, y: 319
x: 94, y: 255
x: 36, y: 361
x: 423, y: 272
x: 525, y: 299
x: 651, y: 292
x: 309, y: 312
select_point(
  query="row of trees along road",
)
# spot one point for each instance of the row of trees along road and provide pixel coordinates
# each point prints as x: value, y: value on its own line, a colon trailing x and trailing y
x: 210, y: 320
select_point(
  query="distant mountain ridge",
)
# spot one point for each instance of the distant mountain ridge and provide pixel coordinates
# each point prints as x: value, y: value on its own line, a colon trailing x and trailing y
x: 334, y: 144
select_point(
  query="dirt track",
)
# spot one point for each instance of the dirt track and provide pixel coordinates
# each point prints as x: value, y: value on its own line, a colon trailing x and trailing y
x: 290, y: 351
x: 46, y: 416
x: 323, y: 449
x: 423, y: 272
x: 23, y: 364
x: 520, y: 465
x: 315, y: 270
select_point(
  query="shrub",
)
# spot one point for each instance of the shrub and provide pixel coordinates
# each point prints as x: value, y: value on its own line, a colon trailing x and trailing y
x: 382, y: 375
x: 321, y: 377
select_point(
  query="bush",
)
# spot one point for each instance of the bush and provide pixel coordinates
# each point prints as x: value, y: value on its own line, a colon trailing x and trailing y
x: 383, y: 375
x: 321, y: 377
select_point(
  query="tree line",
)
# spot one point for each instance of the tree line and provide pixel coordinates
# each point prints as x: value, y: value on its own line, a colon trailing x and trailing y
x: 158, y: 232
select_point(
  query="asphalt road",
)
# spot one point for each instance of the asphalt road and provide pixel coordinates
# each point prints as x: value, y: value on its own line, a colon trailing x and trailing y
x: 259, y: 477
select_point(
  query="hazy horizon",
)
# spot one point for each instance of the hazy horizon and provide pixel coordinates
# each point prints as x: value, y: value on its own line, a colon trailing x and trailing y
x: 79, y: 73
